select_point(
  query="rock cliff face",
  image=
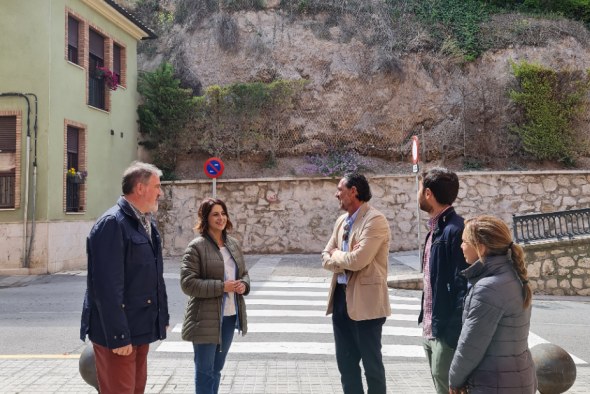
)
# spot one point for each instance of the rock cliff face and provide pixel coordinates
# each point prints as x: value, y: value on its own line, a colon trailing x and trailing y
x: 363, y: 97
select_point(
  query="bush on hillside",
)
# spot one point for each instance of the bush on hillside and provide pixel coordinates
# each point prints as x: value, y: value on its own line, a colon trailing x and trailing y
x: 549, y: 102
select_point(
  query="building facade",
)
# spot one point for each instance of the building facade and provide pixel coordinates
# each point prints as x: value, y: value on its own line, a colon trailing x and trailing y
x: 58, y: 116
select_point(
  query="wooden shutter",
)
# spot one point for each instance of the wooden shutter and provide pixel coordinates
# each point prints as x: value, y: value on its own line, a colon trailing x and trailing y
x: 96, y: 44
x: 72, y: 140
x: 7, y: 134
x: 72, y: 32
x: 117, y: 59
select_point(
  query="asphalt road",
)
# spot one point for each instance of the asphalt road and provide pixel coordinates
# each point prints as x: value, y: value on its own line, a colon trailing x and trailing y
x: 43, y: 316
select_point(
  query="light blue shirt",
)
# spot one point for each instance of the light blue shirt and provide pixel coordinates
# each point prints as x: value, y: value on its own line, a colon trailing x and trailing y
x: 343, y: 278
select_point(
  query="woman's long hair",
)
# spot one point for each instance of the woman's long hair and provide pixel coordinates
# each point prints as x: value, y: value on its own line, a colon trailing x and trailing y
x: 493, y: 233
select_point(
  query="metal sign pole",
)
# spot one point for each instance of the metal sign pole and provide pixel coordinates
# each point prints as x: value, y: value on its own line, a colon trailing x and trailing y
x: 416, y: 170
x: 418, y: 216
x: 214, y: 187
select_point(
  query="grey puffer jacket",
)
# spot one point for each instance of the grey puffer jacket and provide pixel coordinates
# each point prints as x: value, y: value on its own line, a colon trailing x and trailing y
x: 493, y: 356
x: 201, y: 278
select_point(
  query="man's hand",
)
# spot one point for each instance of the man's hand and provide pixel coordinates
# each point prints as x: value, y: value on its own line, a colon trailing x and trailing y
x: 356, y: 247
x: 167, y: 328
x: 332, y: 251
x: 123, y: 351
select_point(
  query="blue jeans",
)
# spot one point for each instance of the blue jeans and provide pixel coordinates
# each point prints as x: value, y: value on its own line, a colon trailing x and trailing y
x: 209, y: 360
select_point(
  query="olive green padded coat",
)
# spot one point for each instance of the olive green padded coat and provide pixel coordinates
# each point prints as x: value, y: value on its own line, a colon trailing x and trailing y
x: 201, y: 278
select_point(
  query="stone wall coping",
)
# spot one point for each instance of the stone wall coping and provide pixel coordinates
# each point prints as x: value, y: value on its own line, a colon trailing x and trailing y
x: 540, y: 297
x: 466, y: 173
x: 546, y: 242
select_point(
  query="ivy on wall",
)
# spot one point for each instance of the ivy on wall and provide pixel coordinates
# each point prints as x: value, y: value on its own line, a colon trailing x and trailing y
x: 549, y: 101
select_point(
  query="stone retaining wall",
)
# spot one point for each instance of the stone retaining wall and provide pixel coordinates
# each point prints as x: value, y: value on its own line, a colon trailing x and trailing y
x: 559, y: 267
x: 296, y: 215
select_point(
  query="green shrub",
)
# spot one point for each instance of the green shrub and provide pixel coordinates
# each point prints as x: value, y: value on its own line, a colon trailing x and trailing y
x: 163, y: 115
x: 574, y: 9
x: 456, y: 20
x: 549, y: 102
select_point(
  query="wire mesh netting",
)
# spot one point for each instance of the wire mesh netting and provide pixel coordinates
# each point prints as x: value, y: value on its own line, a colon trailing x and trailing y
x: 314, y: 76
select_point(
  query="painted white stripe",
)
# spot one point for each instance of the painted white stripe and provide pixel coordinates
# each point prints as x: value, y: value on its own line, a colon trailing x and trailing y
x: 303, y: 328
x: 294, y: 313
x: 320, y: 294
x: 534, y: 340
x: 255, y: 301
x: 281, y: 284
x: 320, y: 314
x: 293, y: 348
x: 278, y: 284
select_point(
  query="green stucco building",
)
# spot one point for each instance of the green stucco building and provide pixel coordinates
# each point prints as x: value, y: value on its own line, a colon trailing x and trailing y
x: 49, y: 56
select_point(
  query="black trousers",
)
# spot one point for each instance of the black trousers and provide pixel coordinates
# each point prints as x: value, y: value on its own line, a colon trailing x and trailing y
x: 356, y: 341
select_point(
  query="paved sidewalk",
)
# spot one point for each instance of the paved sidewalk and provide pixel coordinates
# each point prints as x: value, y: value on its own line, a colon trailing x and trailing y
x: 166, y: 376
x: 177, y: 376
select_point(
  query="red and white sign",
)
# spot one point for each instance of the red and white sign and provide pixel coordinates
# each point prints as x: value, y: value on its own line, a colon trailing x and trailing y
x: 213, y: 167
x: 415, y: 150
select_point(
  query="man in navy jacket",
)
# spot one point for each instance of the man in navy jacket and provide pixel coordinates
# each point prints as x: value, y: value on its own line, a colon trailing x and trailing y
x: 444, y: 287
x: 126, y: 306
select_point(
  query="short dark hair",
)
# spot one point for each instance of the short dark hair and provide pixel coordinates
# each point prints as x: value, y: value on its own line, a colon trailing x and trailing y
x: 443, y: 184
x: 361, y: 183
x: 138, y: 172
x: 204, y: 211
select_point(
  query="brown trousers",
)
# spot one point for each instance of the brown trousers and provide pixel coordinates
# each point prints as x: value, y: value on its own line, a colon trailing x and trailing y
x: 121, y: 374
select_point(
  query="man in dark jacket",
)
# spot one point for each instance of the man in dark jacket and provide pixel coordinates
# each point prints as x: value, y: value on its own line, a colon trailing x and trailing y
x: 126, y: 306
x: 443, y: 260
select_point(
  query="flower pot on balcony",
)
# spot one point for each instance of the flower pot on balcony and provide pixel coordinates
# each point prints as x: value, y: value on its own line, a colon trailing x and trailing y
x: 76, y: 179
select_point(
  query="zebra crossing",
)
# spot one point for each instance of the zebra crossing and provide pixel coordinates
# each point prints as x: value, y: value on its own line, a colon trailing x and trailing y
x: 287, y: 319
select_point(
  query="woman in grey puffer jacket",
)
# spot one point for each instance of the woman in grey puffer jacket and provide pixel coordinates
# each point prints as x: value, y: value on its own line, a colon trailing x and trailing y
x: 492, y: 355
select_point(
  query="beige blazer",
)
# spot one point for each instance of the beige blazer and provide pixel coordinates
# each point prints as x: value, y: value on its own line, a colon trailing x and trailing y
x: 366, y: 294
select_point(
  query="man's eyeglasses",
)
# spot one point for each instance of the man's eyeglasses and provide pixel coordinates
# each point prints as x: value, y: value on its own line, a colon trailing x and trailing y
x: 346, y: 233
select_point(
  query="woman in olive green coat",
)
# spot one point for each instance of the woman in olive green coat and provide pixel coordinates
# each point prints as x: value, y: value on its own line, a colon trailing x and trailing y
x: 214, y: 276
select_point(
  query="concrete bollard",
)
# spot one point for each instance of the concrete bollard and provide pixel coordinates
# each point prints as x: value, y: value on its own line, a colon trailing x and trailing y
x: 88, y: 367
x: 556, y: 370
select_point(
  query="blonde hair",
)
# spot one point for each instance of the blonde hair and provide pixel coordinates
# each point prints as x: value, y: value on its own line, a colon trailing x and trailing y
x: 495, y: 235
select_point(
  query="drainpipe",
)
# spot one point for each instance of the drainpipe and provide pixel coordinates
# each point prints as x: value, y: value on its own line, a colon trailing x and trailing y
x: 28, y: 262
x: 24, y: 251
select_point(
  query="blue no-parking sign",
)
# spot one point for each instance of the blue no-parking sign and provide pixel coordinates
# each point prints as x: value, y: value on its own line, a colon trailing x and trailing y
x: 213, y: 167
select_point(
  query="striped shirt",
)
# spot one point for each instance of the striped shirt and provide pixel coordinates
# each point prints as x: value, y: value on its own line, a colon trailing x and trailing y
x: 427, y: 320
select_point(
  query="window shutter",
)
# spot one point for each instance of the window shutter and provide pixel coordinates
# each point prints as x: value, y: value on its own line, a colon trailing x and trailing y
x: 117, y: 59
x: 72, y: 32
x: 7, y: 134
x: 72, y: 140
x: 96, y: 44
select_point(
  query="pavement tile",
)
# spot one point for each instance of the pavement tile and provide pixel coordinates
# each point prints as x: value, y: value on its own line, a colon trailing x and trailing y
x: 175, y: 376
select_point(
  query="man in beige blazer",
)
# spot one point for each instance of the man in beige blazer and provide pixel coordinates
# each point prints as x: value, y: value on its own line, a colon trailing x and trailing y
x: 357, y: 254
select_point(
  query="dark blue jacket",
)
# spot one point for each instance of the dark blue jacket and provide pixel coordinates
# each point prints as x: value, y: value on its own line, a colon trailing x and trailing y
x: 448, y: 286
x: 126, y: 301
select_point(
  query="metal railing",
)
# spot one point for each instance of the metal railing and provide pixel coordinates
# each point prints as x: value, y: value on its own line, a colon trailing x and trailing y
x: 96, y: 92
x: 555, y: 225
x: 7, y: 190
x: 72, y: 197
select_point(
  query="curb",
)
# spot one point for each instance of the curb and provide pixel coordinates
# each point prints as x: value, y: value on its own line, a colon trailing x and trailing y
x: 407, y: 282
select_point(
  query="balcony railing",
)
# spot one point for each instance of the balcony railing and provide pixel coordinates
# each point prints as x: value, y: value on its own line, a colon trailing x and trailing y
x: 73, y: 197
x: 7, y: 190
x: 555, y: 225
x: 96, y: 92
